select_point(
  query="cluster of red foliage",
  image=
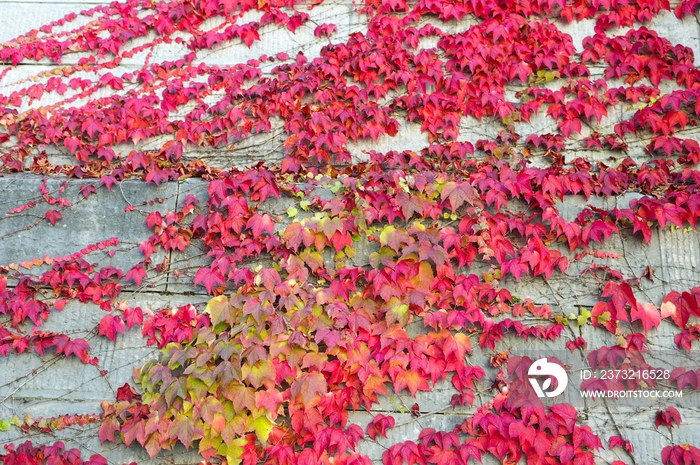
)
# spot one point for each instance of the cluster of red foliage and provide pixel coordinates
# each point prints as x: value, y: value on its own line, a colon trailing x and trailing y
x: 313, y: 332
x: 56, y: 453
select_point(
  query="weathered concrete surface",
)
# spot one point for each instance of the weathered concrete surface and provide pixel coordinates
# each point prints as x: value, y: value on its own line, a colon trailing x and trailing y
x: 27, y: 234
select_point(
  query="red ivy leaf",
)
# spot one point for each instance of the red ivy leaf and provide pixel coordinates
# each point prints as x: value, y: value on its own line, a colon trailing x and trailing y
x: 107, y: 429
x: 411, y: 380
x: 325, y: 30
x: 668, y: 417
x: 617, y: 441
x: 91, y: 125
x: 133, y: 317
x: 127, y: 393
x: 682, y: 378
x: 569, y: 125
x: 52, y: 216
x: 379, y: 425
x: 87, y: 189
x: 248, y: 34
x: 685, y: 339
x: 154, y: 219
x: 579, y: 342
x: 679, y: 307
x: 78, y: 347
x: 648, y: 314
x: 112, y: 81
x: 269, y: 399
x: 209, y: 278
x: 260, y: 224
x: 96, y: 459
x: 136, y: 274
x: 308, y: 386
x: 110, y: 326
x: 683, y: 454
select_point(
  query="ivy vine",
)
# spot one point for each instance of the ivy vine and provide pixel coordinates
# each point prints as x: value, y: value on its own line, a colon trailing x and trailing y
x: 383, y: 272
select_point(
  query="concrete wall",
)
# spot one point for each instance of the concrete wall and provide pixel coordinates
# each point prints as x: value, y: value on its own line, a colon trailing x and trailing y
x: 52, y: 385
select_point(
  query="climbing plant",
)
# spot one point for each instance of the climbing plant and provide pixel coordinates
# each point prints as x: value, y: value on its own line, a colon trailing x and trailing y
x: 383, y: 272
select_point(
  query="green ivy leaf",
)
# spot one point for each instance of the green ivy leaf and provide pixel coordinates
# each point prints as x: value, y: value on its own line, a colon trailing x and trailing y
x: 336, y: 187
x: 582, y: 319
x: 604, y: 317
x: 5, y: 424
x: 262, y: 427
x: 235, y: 451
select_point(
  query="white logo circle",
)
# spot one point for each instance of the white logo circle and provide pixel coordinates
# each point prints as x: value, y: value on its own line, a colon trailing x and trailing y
x: 550, y: 369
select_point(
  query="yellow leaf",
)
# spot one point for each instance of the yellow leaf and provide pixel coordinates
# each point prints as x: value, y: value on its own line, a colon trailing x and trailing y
x: 263, y: 371
x: 385, y: 235
x: 262, y: 426
x: 217, y: 308
x: 235, y: 451
x: 397, y: 312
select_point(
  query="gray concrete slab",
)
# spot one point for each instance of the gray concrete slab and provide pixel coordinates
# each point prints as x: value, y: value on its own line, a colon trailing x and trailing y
x: 102, y: 216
